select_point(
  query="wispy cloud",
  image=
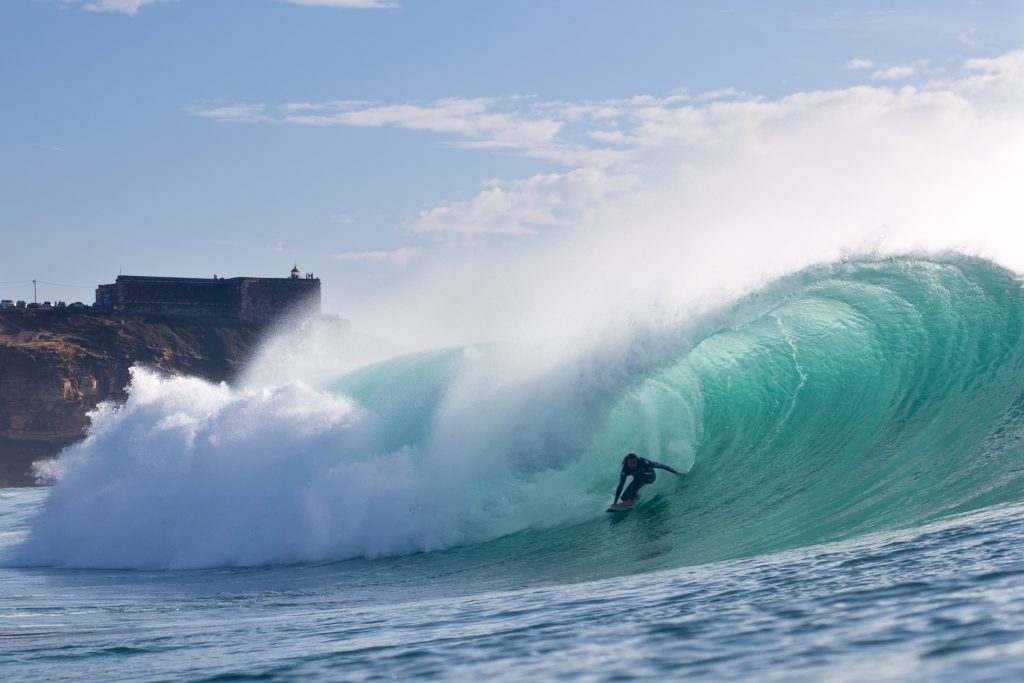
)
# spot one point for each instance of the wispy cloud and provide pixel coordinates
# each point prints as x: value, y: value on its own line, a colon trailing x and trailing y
x: 345, y: 4
x: 900, y: 72
x: 40, y: 145
x: 522, y: 207
x: 610, y: 148
x: 895, y: 73
x: 860, y: 63
x: 232, y: 113
x: 399, y: 258
x: 968, y: 37
x: 1009, y: 67
x: 556, y: 131
x: 132, y: 7
x: 722, y: 94
x: 490, y: 122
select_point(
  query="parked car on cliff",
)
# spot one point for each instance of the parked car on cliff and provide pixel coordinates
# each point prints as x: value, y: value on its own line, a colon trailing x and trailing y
x: 6, y: 303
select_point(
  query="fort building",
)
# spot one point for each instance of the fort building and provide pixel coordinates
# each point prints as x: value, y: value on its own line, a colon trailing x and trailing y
x: 246, y: 299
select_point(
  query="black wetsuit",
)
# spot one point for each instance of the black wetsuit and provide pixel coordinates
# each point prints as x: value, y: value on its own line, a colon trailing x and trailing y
x: 642, y: 475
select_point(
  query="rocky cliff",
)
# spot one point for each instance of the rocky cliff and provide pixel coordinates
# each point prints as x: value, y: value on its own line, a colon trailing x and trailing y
x: 56, y: 365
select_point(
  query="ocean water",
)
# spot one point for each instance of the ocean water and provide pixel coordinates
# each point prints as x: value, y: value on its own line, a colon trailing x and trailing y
x: 853, y: 436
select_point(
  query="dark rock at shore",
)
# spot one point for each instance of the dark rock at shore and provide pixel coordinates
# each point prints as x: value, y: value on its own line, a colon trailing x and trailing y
x: 56, y: 365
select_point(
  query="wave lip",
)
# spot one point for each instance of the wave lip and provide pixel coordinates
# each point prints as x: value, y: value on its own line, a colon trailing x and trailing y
x: 869, y: 394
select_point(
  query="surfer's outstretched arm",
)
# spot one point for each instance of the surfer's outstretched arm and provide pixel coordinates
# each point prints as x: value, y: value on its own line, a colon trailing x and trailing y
x: 667, y: 468
x: 618, y: 489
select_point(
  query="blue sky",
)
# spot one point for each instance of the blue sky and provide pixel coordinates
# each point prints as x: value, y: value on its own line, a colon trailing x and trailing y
x: 378, y: 144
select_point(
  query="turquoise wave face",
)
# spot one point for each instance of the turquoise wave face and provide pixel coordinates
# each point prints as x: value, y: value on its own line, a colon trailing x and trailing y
x: 867, y: 395
x: 855, y: 397
x: 846, y: 399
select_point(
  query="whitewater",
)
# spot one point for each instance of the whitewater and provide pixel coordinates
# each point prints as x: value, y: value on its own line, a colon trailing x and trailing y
x: 852, y: 434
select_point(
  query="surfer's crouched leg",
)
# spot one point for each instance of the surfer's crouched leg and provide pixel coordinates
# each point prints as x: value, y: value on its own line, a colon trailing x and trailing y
x: 634, y: 486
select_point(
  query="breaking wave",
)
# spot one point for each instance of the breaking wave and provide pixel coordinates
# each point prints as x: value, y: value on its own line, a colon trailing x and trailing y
x: 863, y: 395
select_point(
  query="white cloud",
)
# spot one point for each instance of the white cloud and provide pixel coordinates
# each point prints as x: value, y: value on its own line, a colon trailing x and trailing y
x: 400, y: 258
x: 233, y: 113
x: 722, y: 196
x: 52, y: 148
x: 346, y: 4
x: 483, y: 121
x: 522, y: 207
x: 968, y: 37
x: 899, y: 72
x: 859, y: 63
x: 130, y: 7
x: 895, y: 73
x: 996, y: 82
x: 721, y: 94
x: 1008, y: 67
x: 870, y: 155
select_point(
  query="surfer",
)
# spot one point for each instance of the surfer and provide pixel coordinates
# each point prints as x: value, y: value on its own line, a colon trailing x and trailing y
x: 642, y: 471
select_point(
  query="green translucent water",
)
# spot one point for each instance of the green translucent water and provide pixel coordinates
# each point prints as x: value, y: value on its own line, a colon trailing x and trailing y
x: 849, y: 398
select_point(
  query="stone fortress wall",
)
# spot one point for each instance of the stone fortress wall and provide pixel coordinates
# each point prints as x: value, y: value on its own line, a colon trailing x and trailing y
x: 246, y: 299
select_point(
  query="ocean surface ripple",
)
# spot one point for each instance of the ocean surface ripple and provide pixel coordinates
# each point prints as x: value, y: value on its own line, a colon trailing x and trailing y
x: 940, y: 602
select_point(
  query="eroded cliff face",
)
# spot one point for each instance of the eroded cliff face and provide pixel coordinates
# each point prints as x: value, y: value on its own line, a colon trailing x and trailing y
x: 56, y: 365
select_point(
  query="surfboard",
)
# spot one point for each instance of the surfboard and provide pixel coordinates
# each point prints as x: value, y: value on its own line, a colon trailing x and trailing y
x: 622, y: 506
